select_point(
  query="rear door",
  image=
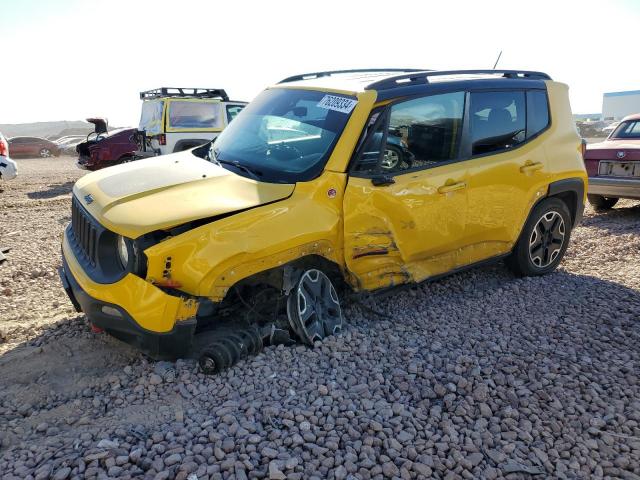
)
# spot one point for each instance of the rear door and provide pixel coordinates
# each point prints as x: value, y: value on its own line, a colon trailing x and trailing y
x: 508, y: 169
x: 405, y: 205
x: 34, y: 145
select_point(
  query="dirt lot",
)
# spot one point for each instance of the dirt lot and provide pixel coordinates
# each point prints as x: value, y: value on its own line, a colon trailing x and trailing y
x: 481, y: 375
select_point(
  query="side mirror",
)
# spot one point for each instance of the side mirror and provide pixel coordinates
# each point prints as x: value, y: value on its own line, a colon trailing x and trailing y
x: 382, y: 180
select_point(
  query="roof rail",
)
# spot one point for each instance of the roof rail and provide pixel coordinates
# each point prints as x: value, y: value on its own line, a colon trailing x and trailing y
x: 423, y: 77
x: 185, y: 92
x: 328, y: 73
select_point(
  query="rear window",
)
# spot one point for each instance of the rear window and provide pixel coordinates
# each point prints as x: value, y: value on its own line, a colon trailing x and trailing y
x: 628, y: 129
x: 151, y: 117
x: 194, y: 115
x: 498, y: 120
x: 537, y: 112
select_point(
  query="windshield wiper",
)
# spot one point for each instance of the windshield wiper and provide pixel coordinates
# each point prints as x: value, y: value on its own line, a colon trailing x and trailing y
x: 252, y: 173
x: 213, y: 157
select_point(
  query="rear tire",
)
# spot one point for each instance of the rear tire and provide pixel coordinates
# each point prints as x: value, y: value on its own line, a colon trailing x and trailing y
x: 600, y: 203
x: 543, y: 240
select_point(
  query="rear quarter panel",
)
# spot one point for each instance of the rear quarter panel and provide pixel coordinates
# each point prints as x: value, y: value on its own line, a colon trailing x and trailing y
x: 564, y: 145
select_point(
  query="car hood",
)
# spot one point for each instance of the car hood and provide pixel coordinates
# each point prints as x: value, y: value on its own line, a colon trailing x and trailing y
x: 162, y: 192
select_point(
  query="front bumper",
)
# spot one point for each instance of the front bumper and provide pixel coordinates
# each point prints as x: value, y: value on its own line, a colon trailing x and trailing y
x: 132, y: 310
x: 83, y: 163
x: 615, y: 187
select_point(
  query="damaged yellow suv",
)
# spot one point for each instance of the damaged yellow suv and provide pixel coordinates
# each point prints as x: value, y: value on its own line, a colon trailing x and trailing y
x: 326, y: 183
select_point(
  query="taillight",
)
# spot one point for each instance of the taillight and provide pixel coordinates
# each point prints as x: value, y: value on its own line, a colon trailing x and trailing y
x: 584, y: 148
x: 4, y: 148
x: 162, y: 139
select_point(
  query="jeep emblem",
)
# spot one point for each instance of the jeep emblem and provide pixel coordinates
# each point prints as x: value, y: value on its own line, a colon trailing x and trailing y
x: 621, y: 154
x: 88, y: 199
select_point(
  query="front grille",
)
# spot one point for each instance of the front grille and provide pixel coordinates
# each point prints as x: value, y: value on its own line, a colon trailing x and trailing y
x: 84, y: 232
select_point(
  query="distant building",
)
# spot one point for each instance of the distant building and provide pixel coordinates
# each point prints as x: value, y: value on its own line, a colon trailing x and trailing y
x: 616, y: 105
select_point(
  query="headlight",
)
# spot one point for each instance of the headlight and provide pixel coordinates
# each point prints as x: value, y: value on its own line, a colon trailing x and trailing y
x: 123, y: 251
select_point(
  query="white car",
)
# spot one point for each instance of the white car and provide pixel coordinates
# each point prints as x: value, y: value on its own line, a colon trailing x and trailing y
x: 68, y: 144
x: 177, y: 119
x: 8, y: 168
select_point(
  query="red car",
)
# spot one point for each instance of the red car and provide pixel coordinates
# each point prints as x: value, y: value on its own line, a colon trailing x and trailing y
x: 32, y: 147
x: 614, y: 165
x: 105, y: 148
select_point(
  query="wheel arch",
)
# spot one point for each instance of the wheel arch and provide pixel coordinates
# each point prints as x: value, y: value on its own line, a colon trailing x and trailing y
x: 282, y: 275
x: 187, y: 143
x: 571, y: 192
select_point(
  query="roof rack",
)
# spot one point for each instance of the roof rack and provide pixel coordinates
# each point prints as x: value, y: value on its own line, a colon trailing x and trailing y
x: 423, y: 77
x: 328, y: 73
x: 185, y: 92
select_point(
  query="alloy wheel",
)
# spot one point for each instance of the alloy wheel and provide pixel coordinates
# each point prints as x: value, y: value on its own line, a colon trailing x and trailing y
x: 390, y: 159
x: 45, y: 153
x: 547, y: 239
x: 314, y: 308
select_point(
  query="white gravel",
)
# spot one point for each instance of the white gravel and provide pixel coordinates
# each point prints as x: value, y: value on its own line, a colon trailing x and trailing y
x: 480, y: 375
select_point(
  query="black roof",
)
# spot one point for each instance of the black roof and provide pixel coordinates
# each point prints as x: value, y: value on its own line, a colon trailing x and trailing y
x: 390, y: 82
x: 164, y: 92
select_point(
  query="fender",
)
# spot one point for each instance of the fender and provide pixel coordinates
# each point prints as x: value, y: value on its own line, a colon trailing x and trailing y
x: 572, y: 186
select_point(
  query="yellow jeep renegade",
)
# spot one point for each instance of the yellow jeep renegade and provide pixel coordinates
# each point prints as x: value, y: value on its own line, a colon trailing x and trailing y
x: 327, y: 182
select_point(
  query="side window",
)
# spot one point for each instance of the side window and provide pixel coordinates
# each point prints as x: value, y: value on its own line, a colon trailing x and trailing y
x: 369, y: 157
x: 190, y: 114
x: 537, y: 112
x: 232, y: 111
x: 498, y: 121
x: 424, y: 132
x: 420, y: 133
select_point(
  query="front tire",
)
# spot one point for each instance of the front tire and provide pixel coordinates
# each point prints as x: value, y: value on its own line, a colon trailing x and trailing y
x: 45, y: 153
x: 600, y: 203
x: 543, y: 240
x: 313, y: 307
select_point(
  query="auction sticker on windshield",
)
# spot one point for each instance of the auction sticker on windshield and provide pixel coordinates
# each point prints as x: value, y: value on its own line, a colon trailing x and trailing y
x: 338, y: 104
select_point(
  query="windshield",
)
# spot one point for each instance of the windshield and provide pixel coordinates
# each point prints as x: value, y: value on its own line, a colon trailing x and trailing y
x: 284, y: 135
x: 629, y: 129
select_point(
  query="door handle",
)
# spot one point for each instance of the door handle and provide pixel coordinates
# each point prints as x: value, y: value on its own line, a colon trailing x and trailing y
x: 452, y: 187
x: 529, y: 167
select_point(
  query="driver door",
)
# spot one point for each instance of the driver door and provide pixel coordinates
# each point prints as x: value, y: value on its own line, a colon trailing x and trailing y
x: 405, y: 204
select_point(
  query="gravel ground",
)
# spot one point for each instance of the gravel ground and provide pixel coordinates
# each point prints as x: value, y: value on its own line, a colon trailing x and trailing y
x: 481, y: 375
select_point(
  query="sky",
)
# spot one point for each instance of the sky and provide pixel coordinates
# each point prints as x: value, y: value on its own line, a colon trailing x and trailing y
x: 72, y: 59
